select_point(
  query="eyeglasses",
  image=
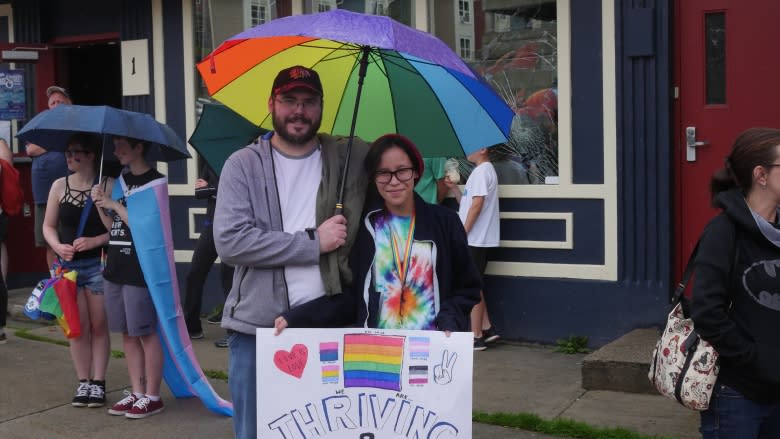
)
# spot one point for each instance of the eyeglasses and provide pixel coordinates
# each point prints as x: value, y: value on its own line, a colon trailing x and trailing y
x: 402, y: 175
x: 72, y: 152
x: 290, y: 103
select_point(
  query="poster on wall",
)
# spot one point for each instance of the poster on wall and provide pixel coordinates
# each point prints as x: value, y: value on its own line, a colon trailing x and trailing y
x: 12, y: 99
x: 357, y: 383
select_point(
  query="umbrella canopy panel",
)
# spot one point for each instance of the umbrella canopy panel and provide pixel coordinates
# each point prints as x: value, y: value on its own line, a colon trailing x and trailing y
x: 219, y: 133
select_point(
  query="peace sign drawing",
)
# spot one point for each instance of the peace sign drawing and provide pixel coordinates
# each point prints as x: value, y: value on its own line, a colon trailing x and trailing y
x: 442, y: 373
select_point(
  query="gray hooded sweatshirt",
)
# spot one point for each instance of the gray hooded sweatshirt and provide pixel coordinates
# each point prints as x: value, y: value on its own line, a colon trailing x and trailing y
x: 248, y: 231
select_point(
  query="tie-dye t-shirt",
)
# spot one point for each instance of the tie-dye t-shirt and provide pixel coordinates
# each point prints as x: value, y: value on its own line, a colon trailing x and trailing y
x: 413, y: 304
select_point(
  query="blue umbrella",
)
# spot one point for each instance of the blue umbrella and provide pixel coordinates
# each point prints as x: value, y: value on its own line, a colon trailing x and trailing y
x: 52, y: 128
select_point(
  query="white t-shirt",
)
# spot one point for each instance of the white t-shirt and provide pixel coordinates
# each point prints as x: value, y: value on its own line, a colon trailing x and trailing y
x: 297, y: 182
x: 483, y: 181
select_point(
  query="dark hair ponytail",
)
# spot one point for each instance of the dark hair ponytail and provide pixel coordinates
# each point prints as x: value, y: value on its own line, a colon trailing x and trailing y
x: 754, y: 147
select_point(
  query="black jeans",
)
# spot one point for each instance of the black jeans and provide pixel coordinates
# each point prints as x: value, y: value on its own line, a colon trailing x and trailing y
x: 202, y: 260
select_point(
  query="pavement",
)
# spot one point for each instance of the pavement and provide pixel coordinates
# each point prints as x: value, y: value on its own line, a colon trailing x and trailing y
x: 37, y: 382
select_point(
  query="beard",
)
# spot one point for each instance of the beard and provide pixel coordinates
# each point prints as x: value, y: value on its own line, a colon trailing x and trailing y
x: 280, y: 127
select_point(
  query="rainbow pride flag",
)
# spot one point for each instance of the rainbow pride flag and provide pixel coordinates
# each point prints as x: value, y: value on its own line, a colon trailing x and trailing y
x: 373, y: 361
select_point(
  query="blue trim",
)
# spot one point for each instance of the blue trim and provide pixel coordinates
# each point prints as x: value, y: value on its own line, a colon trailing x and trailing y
x: 588, y: 230
x: 180, y: 216
x: 587, y: 93
x: 545, y: 310
x: 645, y: 170
x: 533, y: 229
x: 173, y: 46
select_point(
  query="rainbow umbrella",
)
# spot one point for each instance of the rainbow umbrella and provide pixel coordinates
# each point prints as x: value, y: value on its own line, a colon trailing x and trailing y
x: 378, y: 76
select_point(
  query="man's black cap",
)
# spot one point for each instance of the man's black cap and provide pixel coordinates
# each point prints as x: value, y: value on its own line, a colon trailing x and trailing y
x: 297, y: 77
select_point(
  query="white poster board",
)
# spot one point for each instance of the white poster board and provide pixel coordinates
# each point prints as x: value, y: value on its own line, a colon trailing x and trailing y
x: 135, y: 67
x: 359, y: 383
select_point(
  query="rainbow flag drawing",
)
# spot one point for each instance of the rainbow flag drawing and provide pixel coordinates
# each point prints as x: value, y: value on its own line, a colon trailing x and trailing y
x: 373, y: 361
x: 329, y: 351
x: 330, y: 374
x: 418, y: 375
x: 419, y: 348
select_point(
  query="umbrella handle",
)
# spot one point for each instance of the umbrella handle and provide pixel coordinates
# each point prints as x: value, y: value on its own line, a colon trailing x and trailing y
x: 366, y: 50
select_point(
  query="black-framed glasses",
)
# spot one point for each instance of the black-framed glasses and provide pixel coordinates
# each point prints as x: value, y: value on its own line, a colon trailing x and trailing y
x: 290, y: 103
x: 402, y: 175
x: 73, y: 152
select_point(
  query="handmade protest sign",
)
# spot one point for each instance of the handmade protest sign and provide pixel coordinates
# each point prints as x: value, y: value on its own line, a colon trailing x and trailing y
x: 363, y: 383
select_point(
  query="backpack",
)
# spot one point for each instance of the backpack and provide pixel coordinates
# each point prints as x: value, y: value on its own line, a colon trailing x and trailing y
x: 11, y: 194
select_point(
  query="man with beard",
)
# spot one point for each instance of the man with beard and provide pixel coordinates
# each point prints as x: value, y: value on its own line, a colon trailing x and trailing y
x: 275, y: 223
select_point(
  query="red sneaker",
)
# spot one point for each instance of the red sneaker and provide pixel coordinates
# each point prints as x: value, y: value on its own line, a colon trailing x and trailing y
x: 124, y: 405
x: 145, y: 407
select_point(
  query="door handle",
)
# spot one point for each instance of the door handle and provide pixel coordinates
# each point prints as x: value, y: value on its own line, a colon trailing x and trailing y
x: 691, y: 143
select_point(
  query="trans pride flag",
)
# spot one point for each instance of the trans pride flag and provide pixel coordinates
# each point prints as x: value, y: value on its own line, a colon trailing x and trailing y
x: 149, y: 215
x: 373, y: 361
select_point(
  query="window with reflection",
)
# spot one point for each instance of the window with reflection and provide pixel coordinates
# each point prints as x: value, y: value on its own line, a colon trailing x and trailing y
x: 515, y: 50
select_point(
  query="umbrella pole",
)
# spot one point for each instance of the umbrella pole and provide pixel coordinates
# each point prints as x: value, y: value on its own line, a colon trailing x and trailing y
x: 365, y: 50
x: 102, y: 157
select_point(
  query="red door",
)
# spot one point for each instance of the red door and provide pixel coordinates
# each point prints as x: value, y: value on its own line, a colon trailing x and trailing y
x: 727, y: 72
x: 23, y: 256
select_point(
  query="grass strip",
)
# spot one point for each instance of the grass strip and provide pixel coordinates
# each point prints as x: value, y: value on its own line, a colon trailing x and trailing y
x: 24, y: 333
x: 557, y: 427
x: 215, y: 374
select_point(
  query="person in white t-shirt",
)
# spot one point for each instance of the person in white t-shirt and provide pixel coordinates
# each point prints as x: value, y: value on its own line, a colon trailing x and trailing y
x: 479, y: 213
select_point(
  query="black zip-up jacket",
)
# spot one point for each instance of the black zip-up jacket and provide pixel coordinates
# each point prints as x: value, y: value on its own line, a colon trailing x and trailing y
x: 736, y: 300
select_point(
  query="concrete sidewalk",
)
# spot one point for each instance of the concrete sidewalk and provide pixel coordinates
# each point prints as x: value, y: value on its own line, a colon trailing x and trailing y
x: 37, y: 381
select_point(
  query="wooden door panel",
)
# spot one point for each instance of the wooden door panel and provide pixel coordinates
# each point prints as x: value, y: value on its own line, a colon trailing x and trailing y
x: 750, y: 42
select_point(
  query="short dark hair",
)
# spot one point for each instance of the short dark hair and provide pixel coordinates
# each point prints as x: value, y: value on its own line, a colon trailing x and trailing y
x: 133, y: 141
x: 90, y: 142
x: 382, y: 144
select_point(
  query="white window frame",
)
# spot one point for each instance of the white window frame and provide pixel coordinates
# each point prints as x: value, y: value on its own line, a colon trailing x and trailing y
x: 464, y: 47
x: 265, y: 7
x: 324, y: 5
x: 464, y: 11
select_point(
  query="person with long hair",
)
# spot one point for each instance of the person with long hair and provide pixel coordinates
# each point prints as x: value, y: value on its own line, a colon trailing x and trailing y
x: 67, y: 199
x: 736, y: 295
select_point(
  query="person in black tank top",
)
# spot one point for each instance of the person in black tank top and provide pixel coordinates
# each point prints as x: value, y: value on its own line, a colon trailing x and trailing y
x: 129, y: 305
x: 81, y: 252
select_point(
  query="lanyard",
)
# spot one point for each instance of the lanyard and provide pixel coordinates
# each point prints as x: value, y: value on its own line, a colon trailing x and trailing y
x: 402, y: 262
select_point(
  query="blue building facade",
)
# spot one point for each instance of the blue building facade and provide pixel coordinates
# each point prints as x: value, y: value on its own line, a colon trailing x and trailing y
x: 587, y: 252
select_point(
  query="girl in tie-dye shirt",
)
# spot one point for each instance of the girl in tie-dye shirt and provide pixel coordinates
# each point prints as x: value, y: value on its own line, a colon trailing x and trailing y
x: 411, y: 262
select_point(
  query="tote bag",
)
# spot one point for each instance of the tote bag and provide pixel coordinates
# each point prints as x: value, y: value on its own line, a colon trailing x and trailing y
x: 684, y: 367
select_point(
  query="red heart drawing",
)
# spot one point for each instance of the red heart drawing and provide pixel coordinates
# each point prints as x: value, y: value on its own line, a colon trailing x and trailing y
x: 293, y: 362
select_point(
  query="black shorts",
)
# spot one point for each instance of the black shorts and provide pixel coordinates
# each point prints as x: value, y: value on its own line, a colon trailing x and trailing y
x: 479, y: 254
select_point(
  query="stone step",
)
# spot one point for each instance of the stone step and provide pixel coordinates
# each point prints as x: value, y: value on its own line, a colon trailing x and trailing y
x: 622, y: 365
